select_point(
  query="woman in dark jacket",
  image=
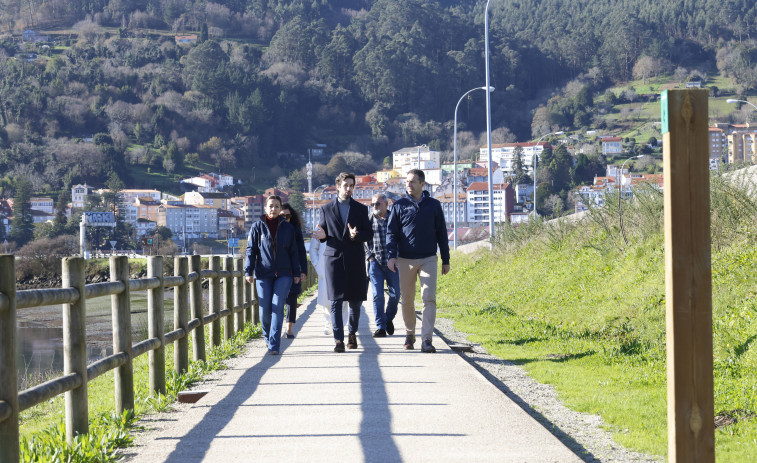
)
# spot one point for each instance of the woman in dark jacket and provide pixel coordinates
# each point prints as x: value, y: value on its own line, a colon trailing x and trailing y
x: 272, y: 257
x: 291, y: 216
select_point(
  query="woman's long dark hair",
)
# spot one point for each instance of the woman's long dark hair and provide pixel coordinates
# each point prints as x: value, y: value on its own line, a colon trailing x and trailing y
x: 295, y: 220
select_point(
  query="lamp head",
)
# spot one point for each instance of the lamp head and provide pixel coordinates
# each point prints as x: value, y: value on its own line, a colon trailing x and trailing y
x: 731, y: 100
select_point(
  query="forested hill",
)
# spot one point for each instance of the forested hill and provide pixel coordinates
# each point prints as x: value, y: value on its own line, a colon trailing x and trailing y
x: 272, y: 76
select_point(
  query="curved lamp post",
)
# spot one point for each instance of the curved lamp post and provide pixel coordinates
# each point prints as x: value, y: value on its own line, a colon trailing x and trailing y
x: 454, y: 175
x: 620, y: 195
x: 731, y: 100
x: 533, y: 163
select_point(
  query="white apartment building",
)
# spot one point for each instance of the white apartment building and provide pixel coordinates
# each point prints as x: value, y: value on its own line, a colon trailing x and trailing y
x: 417, y: 157
x: 504, y: 155
x: 194, y: 221
x: 207, y: 183
x: 477, y: 197
x: 612, y: 146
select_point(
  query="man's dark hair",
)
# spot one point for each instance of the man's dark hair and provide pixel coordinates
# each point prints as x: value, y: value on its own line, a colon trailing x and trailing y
x: 418, y: 173
x: 274, y: 198
x: 344, y: 176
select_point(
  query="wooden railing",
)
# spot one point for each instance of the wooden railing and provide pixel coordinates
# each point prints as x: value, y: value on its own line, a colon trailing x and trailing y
x: 225, y: 277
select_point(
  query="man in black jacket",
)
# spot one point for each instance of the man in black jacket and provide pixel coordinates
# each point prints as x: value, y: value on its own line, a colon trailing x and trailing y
x: 416, y: 228
x: 344, y: 227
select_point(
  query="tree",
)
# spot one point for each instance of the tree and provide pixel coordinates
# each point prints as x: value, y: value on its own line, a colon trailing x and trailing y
x: 520, y: 173
x: 22, y: 230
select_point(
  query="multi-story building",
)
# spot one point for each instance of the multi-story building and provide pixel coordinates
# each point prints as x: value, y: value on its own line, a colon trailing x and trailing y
x: 416, y: 157
x: 612, y: 146
x: 147, y: 208
x: 130, y: 196
x: 227, y: 222
x: 449, y: 208
x: 742, y: 146
x: 145, y: 227
x: 207, y: 183
x: 718, y: 145
x: 190, y: 221
x: 477, y: 196
x: 504, y: 155
x: 79, y: 195
x: 384, y: 175
x: 215, y: 199
x: 42, y: 204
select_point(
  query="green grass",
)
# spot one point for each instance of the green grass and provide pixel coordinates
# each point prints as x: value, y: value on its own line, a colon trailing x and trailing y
x: 42, y: 432
x: 581, y: 311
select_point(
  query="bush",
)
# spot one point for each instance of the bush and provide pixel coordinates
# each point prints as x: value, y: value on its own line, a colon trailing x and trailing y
x: 41, y: 258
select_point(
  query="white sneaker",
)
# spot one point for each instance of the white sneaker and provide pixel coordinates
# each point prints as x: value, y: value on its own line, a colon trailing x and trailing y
x: 327, y: 330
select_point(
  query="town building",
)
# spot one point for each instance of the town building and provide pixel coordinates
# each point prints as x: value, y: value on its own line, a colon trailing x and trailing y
x: 505, y: 154
x: 612, y: 146
x: 416, y: 157
x: 42, y: 204
x: 190, y: 221
x: 477, y: 196
x: 79, y: 195
x: 215, y: 199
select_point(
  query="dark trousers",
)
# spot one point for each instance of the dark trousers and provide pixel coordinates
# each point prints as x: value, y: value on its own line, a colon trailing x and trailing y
x: 337, y: 324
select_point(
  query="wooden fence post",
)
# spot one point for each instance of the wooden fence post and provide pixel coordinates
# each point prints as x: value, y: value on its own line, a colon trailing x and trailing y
x: 181, y: 316
x: 228, y: 299
x: 75, y: 348
x: 155, y: 322
x: 121, y: 320
x: 688, y: 276
x: 214, y: 302
x: 195, y: 306
x: 239, y: 292
x: 9, y: 452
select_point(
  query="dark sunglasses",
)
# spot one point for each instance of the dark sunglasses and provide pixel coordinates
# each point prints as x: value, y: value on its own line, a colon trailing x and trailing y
x: 286, y: 216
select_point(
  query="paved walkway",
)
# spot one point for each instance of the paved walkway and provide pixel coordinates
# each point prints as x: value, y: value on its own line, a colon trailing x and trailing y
x: 378, y: 403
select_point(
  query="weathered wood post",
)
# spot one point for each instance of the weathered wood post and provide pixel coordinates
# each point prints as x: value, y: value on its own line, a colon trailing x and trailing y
x: 9, y: 452
x: 228, y: 299
x: 214, y: 302
x: 195, y: 306
x: 181, y: 316
x: 239, y: 292
x: 155, y: 322
x: 688, y: 276
x: 121, y: 320
x: 75, y: 348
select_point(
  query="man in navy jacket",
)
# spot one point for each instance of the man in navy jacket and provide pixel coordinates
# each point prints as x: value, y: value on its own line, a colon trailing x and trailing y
x: 344, y: 227
x: 416, y: 228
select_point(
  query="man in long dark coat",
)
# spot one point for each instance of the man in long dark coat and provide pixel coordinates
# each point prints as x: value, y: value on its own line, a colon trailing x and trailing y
x: 344, y: 227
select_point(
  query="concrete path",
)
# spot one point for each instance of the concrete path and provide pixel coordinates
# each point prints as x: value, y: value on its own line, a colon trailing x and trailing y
x: 378, y: 403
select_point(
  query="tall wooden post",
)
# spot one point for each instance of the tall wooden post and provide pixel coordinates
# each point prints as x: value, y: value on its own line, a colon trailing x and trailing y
x: 75, y: 348
x: 239, y: 292
x: 155, y: 322
x: 214, y: 290
x: 121, y: 320
x: 688, y: 282
x: 9, y: 452
x: 228, y: 299
x: 181, y: 316
x: 195, y: 306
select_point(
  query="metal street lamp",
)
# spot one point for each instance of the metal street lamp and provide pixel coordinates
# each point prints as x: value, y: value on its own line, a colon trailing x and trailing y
x: 618, y: 180
x: 312, y: 205
x: 488, y: 128
x: 454, y: 176
x: 731, y: 100
x: 533, y: 164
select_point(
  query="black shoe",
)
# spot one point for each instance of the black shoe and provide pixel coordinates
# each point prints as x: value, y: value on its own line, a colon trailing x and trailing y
x: 409, y: 341
x: 352, y: 341
x: 339, y: 346
x: 289, y: 336
x: 427, y: 347
x: 379, y: 333
x: 389, y: 327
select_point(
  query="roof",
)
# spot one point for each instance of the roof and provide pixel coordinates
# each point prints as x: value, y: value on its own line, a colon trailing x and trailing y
x: 544, y: 144
x: 477, y: 186
x: 611, y: 139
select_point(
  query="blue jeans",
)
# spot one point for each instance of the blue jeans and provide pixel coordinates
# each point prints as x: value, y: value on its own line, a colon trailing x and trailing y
x: 337, y: 324
x: 272, y: 294
x: 378, y: 274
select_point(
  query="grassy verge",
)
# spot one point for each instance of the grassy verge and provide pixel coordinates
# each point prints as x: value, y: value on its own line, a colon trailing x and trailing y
x: 42, y: 431
x: 581, y: 311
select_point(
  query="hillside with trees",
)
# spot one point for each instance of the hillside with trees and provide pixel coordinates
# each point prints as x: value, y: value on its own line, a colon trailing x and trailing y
x: 112, y: 91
